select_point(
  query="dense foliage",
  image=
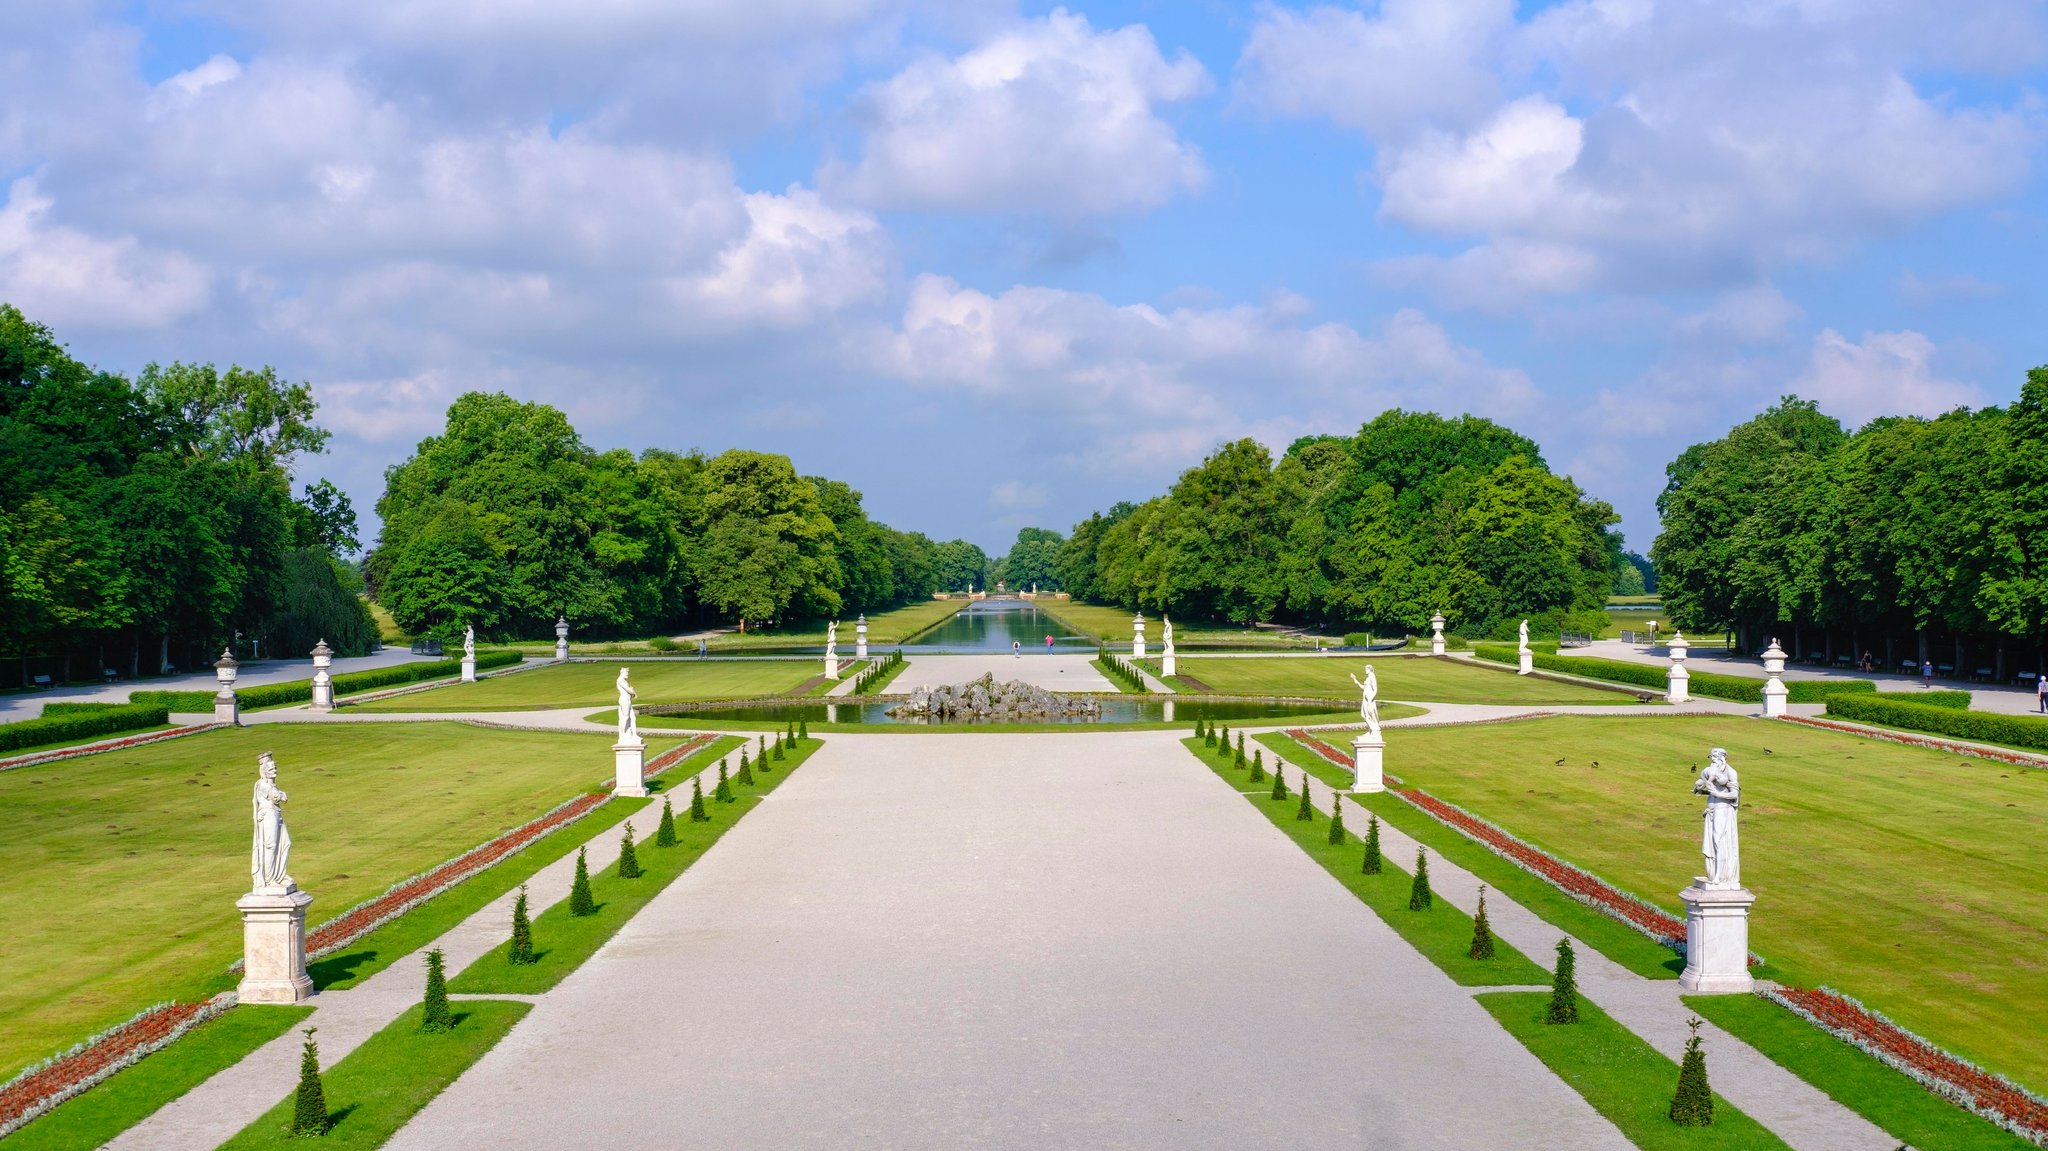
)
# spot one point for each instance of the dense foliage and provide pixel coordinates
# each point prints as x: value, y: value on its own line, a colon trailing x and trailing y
x: 1910, y: 529
x: 1413, y: 515
x: 148, y: 522
x: 507, y: 519
x: 1032, y: 561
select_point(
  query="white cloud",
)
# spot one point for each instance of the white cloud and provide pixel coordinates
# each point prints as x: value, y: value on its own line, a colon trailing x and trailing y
x: 1016, y: 495
x: 1756, y: 314
x: 1050, y: 116
x: 1413, y: 64
x: 1883, y: 374
x: 800, y: 259
x: 71, y: 279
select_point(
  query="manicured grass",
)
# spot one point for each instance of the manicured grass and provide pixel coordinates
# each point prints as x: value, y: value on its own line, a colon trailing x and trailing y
x: 1417, y: 678
x: 388, y: 630
x: 427, y: 922
x: 593, y: 685
x: 62, y: 743
x: 1112, y: 625
x: 1624, y: 1078
x: 563, y: 941
x: 146, y: 850
x: 1442, y: 933
x: 1610, y: 937
x: 1906, y: 1111
x: 384, y: 1082
x: 1909, y: 879
x: 135, y: 1093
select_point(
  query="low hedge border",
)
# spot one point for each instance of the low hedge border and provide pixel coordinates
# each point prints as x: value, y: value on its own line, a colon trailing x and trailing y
x: 1941, y: 719
x: 79, y: 722
x: 348, y: 683
x: 1735, y: 688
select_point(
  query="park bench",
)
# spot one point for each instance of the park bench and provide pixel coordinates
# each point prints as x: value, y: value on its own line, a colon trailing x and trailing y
x: 42, y: 681
x: 2025, y: 678
x: 1945, y: 670
x: 111, y: 675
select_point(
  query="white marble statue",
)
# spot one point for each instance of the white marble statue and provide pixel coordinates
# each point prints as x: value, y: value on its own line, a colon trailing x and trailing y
x: 468, y: 642
x: 629, y: 720
x: 1525, y: 635
x: 1169, y: 630
x: 1718, y: 843
x: 270, y: 852
x: 832, y: 639
x: 1369, y: 701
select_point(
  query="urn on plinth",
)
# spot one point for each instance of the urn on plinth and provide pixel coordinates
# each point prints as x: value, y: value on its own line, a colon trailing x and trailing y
x: 227, y: 707
x: 1138, y: 635
x: 1436, y: 634
x: 1368, y: 758
x: 1774, y: 681
x: 1716, y: 940
x: 1678, y: 681
x: 860, y: 637
x: 323, y: 683
x: 561, y: 637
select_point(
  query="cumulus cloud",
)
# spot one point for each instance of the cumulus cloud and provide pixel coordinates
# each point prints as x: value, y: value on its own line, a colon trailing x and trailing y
x: 1016, y: 495
x: 1049, y: 116
x: 71, y: 279
x: 1883, y: 374
x: 1413, y: 64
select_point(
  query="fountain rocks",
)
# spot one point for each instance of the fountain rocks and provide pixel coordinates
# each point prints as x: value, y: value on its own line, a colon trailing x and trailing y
x: 986, y: 701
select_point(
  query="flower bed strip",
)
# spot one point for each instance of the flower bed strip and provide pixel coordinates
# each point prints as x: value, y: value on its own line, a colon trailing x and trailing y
x: 63, y: 753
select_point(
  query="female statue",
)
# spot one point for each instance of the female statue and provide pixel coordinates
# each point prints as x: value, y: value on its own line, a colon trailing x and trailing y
x: 272, y: 848
x: 629, y: 720
x: 1718, y: 843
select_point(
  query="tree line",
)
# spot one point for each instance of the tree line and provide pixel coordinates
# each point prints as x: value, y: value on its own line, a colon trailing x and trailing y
x: 148, y: 523
x: 507, y: 519
x: 1908, y: 538
x: 1413, y: 515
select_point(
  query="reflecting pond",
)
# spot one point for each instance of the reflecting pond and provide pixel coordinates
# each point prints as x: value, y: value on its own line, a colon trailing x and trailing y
x: 1114, y: 710
x: 993, y: 625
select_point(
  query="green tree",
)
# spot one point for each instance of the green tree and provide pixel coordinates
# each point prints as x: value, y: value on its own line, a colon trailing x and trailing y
x: 309, y: 1101
x: 1564, y: 987
x: 1692, y: 1105
x: 581, y: 901
x: 520, y: 953
x: 767, y: 551
x: 435, y: 1014
x: 1033, y: 560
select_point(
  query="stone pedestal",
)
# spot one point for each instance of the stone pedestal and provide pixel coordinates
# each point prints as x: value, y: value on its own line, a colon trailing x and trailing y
x: 1436, y: 634
x: 469, y: 669
x: 629, y: 769
x: 323, y: 691
x: 860, y: 638
x: 1368, y: 754
x: 1528, y: 662
x: 1166, y: 664
x: 227, y: 707
x: 1677, y: 684
x: 1138, y: 637
x: 274, y: 947
x: 832, y: 665
x: 1716, y: 940
x: 561, y: 638
x: 1774, y: 699
x: 561, y: 650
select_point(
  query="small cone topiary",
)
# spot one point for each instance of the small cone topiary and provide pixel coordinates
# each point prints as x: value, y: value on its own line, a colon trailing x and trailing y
x: 1209, y: 735
x: 1224, y: 744
x: 1372, y: 846
x: 1237, y: 761
x: 1337, y: 821
x: 435, y: 1016
x: 764, y: 749
x: 1693, y: 1105
x: 1419, y: 895
x: 746, y: 773
x: 1306, y: 813
x: 788, y: 740
x: 629, y: 859
x: 1258, y: 767
x: 1279, y: 784
x: 697, y: 812
x: 1564, y: 987
x: 521, y: 952
x: 581, y: 902
x: 780, y: 745
x: 665, y: 831
x: 309, y: 1102
x: 723, y: 793
x: 1482, y: 931
x: 743, y: 758
x: 803, y: 729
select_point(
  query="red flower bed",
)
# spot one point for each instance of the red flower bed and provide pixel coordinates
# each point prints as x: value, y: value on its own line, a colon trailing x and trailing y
x: 1992, y: 1096
x: 2016, y: 758
x: 35, y: 758
x: 42, y: 1087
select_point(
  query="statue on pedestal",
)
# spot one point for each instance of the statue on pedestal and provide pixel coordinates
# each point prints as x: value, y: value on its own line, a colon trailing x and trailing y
x: 468, y: 642
x: 1525, y: 635
x: 271, y: 850
x: 629, y: 720
x: 1718, y: 842
x: 1169, y: 631
x: 1369, y: 703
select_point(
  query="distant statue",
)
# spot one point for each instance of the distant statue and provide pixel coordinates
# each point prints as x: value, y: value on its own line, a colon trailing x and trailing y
x: 1718, y: 843
x: 629, y: 720
x: 468, y: 642
x: 1168, y: 633
x: 1369, y: 702
x: 271, y: 850
x: 1525, y: 635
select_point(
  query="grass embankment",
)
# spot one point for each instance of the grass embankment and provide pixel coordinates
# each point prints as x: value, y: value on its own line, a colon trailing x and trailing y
x: 138, y: 1091
x: 1418, y: 678
x: 1442, y: 933
x: 1904, y: 1109
x: 1112, y: 625
x: 563, y: 941
x: 1625, y: 1079
x: 1605, y: 934
x: 388, y: 631
x: 1845, y: 840
x: 146, y: 850
x: 594, y: 685
x: 380, y: 1085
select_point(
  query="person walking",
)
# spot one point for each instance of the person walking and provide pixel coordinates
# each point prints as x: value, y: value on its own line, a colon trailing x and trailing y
x: 1016, y: 649
x: 1926, y: 673
x: 1048, y: 641
x: 2041, y: 692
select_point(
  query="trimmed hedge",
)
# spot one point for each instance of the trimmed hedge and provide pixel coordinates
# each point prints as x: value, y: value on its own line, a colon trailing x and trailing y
x: 301, y: 690
x: 1736, y: 688
x: 76, y: 707
x: 80, y: 722
x: 1952, y: 700
x: 1983, y: 726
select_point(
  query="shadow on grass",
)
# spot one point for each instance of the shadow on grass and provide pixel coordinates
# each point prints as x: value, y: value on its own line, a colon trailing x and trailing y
x: 338, y: 967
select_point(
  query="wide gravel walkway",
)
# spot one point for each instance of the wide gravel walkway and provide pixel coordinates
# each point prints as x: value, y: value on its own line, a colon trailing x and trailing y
x: 1025, y: 941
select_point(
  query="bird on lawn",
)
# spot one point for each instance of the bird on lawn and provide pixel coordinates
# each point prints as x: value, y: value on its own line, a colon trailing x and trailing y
x: 1559, y: 763
x: 1596, y: 763
x: 1768, y: 751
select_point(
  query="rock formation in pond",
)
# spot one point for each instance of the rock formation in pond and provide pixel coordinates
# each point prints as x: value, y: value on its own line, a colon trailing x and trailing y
x: 987, y: 701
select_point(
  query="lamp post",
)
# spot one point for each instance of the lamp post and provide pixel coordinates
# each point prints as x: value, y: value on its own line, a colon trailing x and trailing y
x: 227, y: 707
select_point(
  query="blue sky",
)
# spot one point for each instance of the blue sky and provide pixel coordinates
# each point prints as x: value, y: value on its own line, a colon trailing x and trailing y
x: 999, y: 265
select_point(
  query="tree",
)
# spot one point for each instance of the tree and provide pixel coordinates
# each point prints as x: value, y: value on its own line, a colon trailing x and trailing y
x: 629, y: 860
x: 1033, y: 560
x: 958, y: 565
x: 1336, y: 820
x: 1372, y: 846
x: 1482, y: 931
x: 697, y: 812
x: 581, y: 902
x: 665, y: 831
x: 446, y: 575
x: 435, y: 1014
x: 236, y: 415
x: 520, y: 953
x: 1692, y: 1105
x: 1420, y: 898
x: 309, y: 1102
x: 329, y: 518
x: 319, y: 606
x: 1564, y: 987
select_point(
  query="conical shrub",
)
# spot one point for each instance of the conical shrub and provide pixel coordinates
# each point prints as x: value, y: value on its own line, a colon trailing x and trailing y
x: 746, y: 774
x: 1238, y: 761
x: 1280, y: 784
x: 1209, y: 735
x: 629, y: 859
x: 309, y: 1102
x: 764, y: 749
x: 1693, y: 1104
x: 743, y: 758
x: 665, y: 831
x: 581, y: 902
x: 723, y: 793
x: 1482, y: 931
x: 803, y: 729
x: 1258, y: 768
x: 1306, y: 813
x: 521, y: 952
x: 1336, y: 820
x: 1419, y: 896
x: 1372, y: 846
x: 1564, y: 987
x: 1224, y: 738
x: 788, y: 740
x: 435, y: 1015
x: 697, y: 812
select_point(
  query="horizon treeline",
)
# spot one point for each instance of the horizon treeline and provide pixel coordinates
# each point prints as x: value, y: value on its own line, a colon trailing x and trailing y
x: 150, y: 523
x: 507, y: 519
x: 1910, y: 537
x: 1413, y: 515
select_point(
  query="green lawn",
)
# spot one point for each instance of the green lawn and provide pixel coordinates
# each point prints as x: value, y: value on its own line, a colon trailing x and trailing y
x: 1419, y: 679
x: 380, y: 1085
x: 145, y: 851
x: 1911, y: 880
x: 1624, y: 1078
x: 1112, y: 626
x: 592, y: 685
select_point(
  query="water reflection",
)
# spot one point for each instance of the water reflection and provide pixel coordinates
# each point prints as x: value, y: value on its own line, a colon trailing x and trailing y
x: 993, y: 625
x: 1114, y: 710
